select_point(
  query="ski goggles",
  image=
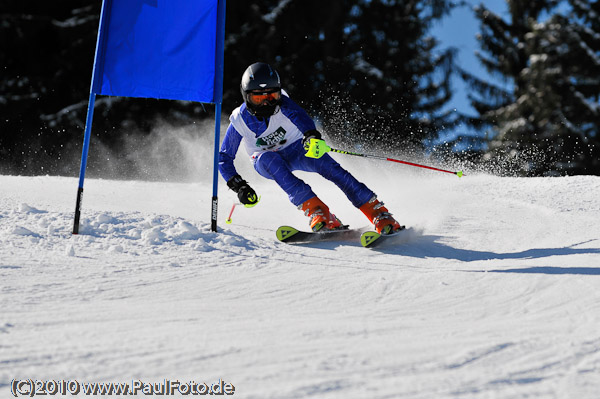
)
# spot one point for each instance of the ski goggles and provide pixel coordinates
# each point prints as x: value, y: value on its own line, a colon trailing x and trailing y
x: 260, y: 97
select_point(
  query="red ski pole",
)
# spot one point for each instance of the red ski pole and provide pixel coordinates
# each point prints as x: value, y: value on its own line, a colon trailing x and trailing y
x: 318, y: 148
x: 228, y: 221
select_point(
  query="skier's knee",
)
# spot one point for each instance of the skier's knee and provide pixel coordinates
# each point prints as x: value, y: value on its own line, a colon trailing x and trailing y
x: 267, y: 160
x: 267, y: 163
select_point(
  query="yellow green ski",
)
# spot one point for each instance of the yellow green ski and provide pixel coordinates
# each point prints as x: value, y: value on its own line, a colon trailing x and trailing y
x: 290, y: 234
x: 371, y: 239
x: 368, y: 239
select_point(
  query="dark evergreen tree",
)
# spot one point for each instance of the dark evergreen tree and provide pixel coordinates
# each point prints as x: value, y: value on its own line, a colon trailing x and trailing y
x: 400, y: 80
x: 367, y: 69
x: 304, y: 40
x: 47, y: 54
x: 545, y: 123
x: 560, y: 108
x: 39, y: 84
x: 504, y: 56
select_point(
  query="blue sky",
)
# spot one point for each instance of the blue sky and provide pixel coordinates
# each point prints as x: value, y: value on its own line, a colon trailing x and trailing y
x: 459, y: 30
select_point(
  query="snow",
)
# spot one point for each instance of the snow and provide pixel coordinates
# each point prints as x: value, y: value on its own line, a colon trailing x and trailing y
x: 494, y: 294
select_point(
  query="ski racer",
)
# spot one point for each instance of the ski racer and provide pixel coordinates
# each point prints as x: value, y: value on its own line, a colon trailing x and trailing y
x: 276, y: 132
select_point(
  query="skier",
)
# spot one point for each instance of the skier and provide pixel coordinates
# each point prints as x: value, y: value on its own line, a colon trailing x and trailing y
x: 276, y: 132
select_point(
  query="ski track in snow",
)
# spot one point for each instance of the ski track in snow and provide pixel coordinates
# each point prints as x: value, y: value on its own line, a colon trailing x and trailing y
x: 493, y: 292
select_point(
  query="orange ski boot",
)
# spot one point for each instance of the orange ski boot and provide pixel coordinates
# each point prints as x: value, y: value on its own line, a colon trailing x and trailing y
x: 380, y: 217
x: 320, y: 217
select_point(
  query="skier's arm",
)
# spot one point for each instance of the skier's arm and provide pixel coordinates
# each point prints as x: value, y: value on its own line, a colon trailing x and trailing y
x: 302, y: 121
x: 229, y: 149
x: 297, y: 115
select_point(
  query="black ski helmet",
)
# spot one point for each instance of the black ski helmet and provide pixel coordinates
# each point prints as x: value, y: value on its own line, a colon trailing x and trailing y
x: 260, y: 76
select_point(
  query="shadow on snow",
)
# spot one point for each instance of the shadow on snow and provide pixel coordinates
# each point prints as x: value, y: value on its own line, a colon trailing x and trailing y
x: 590, y: 271
x: 427, y: 246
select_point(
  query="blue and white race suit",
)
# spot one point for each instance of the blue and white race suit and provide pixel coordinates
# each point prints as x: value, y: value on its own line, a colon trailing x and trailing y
x: 275, y: 147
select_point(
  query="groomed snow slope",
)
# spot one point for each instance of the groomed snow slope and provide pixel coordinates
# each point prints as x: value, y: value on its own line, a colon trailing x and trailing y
x: 494, y: 292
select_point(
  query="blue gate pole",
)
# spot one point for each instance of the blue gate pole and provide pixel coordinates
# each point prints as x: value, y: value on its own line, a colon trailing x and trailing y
x: 218, y: 99
x: 84, y: 157
x: 106, y: 4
